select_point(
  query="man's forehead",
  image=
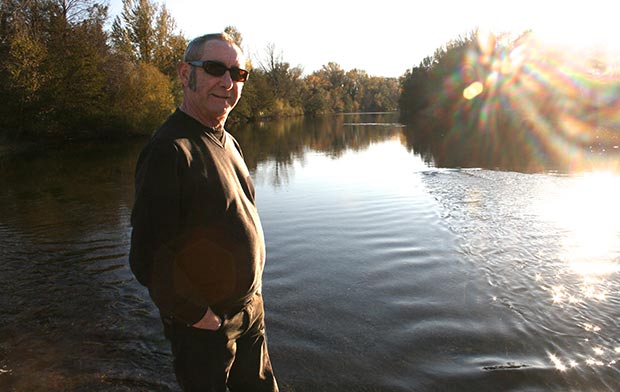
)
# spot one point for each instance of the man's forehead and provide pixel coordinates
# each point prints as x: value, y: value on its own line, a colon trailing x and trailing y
x: 223, y: 50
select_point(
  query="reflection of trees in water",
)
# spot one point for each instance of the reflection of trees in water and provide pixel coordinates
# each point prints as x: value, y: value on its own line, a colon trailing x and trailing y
x: 58, y: 187
x: 511, y: 145
x: 463, y: 145
x: 278, y: 144
x: 276, y: 173
x: 287, y: 139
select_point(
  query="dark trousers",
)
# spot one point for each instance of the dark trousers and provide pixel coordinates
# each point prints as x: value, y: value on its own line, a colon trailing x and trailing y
x: 234, y: 356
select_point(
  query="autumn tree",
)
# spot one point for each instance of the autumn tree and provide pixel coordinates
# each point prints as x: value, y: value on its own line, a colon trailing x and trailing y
x: 315, y: 95
x: 334, y: 76
x: 284, y: 82
x: 257, y: 100
x: 169, y: 45
x: 133, y: 31
x: 146, y: 32
x: 235, y: 34
x: 52, y: 65
x: 76, y: 66
x: 332, y: 90
x: 144, y: 36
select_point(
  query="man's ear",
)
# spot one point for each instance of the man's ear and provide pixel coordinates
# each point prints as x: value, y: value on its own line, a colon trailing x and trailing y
x: 184, y: 71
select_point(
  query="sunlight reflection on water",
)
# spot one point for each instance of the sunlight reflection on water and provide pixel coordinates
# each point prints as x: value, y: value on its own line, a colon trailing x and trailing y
x: 549, y: 247
x: 588, y: 212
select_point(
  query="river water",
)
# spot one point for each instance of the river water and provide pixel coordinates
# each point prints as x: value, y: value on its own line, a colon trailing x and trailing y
x: 384, y: 273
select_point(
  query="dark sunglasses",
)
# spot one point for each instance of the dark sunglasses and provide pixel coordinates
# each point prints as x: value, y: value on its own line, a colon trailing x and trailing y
x: 215, y: 68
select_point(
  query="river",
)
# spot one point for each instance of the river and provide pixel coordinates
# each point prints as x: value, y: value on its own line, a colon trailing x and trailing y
x: 384, y: 272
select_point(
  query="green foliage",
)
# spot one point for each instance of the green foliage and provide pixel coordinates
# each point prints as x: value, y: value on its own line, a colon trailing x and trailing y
x: 315, y: 95
x: 25, y: 78
x: 21, y: 71
x: 168, y: 46
x: 147, y: 89
x: 257, y: 99
x: 145, y: 32
x: 76, y: 65
x: 133, y: 32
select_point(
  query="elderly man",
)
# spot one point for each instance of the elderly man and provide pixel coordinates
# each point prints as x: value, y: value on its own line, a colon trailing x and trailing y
x: 197, y: 242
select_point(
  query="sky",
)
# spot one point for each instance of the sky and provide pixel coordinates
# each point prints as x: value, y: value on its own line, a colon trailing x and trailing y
x: 385, y: 37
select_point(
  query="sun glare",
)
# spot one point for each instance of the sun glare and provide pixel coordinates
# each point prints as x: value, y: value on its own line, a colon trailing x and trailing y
x: 589, y: 215
x: 586, y: 27
x: 577, y: 24
x: 552, y: 89
x: 557, y: 363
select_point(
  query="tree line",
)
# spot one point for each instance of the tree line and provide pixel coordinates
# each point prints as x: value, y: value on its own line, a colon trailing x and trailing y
x: 500, y: 100
x: 64, y: 74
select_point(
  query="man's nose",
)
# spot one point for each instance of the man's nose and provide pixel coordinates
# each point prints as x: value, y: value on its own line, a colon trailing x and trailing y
x: 227, y: 80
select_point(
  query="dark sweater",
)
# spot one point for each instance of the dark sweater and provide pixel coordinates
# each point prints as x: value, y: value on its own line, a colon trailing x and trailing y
x: 197, y: 240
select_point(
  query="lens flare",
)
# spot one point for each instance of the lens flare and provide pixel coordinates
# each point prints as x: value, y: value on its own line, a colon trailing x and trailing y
x: 560, y: 108
x: 473, y: 90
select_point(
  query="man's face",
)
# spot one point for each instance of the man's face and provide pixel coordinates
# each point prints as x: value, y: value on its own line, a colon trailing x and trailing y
x: 216, y: 96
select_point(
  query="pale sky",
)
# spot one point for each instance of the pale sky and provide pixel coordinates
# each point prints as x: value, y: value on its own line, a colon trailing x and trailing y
x: 384, y: 37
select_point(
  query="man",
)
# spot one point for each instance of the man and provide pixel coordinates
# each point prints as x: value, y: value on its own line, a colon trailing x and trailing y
x: 197, y: 242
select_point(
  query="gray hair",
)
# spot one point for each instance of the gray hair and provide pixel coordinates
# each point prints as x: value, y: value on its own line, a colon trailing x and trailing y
x: 195, y: 48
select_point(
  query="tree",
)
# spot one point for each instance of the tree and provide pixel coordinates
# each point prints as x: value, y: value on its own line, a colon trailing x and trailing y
x: 316, y: 95
x: 354, y: 87
x: 25, y: 78
x: 334, y: 76
x: 75, y: 11
x: 415, y: 91
x: 257, y: 100
x: 144, y: 37
x: 284, y: 82
x: 145, y: 32
x: 168, y: 45
x: 380, y: 95
x: 149, y: 92
x: 76, y: 65
x: 22, y: 53
x: 52, y: 52
x: 235, y: 34
x: 133, y: 31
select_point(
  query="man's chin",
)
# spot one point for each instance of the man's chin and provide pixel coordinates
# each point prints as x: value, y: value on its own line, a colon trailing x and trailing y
x: 221, y: 113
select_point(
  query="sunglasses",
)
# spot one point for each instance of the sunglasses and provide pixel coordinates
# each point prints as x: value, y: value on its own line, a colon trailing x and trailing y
x: 215, y: 68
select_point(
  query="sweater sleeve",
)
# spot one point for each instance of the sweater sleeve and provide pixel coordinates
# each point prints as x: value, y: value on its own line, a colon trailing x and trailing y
x: 155, y: 229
